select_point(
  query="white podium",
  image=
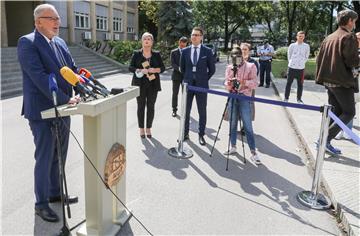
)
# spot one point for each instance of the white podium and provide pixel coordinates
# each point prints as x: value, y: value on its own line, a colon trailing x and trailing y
x: 104, y: 125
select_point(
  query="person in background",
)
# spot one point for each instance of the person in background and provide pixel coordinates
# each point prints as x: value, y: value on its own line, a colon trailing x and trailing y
x: 146, y: 64
x: 177, y: 76
x: 298, y: 54
x: 245, y: 49
x: 265, y: 52
x: 243, y: 83
x: 334, y: 71
x: 198, y: 66
x: 356, y: 73
x: 40, y: 54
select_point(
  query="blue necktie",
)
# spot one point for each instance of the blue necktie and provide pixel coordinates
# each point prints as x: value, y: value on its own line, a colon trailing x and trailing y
x: 195, y: 56
x: 56, y: 52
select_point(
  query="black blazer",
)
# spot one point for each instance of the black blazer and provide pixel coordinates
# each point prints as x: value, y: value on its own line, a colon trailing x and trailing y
x: 155, y: 62
x: 175, y: 63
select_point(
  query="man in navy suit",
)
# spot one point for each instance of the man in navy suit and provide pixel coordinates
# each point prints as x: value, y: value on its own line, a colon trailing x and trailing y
x: 41, y: 53
x: 197, y: 65
x: 176, y: 76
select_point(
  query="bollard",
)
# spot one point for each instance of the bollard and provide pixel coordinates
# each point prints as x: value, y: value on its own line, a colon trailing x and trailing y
x: 313, y: 198
x: 180, y: 151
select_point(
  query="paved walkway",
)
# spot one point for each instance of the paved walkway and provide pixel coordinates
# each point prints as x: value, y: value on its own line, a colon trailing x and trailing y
x: 340, y: 174
x: 178, y: 197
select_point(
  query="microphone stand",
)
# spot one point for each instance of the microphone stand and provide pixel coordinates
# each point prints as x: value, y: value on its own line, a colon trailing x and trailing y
x: 64, y: 231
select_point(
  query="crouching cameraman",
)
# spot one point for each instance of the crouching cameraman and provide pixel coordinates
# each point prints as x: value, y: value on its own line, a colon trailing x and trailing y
x: 240, y: 78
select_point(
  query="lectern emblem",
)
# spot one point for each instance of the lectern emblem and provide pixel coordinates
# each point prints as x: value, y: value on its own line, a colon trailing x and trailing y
x: 115, y: 164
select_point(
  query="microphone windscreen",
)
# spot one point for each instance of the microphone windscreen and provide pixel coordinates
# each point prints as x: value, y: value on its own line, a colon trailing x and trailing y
x: 69, y: 75
x: 115, y: 91
x: 53, y: 87
x: 85, y: 73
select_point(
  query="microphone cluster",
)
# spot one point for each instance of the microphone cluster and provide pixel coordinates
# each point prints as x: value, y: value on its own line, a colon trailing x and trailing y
x: 84, y: 83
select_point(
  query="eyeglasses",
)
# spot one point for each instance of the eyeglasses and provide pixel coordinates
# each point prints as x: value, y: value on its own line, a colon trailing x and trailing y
x: 195, y: 35
x: 52, y: 18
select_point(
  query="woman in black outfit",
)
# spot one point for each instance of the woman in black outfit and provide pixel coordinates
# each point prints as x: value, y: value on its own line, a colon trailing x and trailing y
x: 148, y: 79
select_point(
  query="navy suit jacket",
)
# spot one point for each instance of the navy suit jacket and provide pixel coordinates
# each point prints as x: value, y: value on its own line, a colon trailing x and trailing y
x: 175, y: 63
x: 205, y: 67
x: 37, y: 61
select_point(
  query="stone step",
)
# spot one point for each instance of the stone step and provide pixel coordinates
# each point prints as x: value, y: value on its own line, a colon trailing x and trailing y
x: 11, y: 77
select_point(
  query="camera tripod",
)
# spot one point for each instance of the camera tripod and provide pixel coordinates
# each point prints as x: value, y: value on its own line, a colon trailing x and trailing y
x: 217, y: 134
x: 235, y: 86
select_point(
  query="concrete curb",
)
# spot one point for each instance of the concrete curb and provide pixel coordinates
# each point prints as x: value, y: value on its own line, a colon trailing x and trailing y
x: 312, y: 159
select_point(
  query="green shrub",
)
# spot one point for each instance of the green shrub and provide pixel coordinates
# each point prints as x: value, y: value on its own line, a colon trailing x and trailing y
x: 281, y: 53
x: 123, y: 50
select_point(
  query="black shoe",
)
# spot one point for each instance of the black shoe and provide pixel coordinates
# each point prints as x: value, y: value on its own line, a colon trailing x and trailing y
x: 267, y: 86
x: 149, y: 135
x: 47, y: 214
x: 261, y: 85
x: 186, y: 137
x: 71, y: 199
x: 174, y: 114
x: 202, y: 140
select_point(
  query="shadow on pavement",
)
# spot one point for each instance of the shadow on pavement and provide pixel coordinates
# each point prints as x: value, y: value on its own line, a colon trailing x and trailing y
x: 267, y: 147
x: 283, y: 192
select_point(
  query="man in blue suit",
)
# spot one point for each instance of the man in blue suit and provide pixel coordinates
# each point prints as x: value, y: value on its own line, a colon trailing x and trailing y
x: 41, y: 53
x: 197, y: 65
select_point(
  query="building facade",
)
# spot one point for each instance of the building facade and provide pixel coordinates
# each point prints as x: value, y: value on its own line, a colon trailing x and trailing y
x: 80, y: 20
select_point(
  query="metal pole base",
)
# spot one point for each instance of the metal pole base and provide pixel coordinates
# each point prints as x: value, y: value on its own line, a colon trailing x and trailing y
x: 309, y: 199
x: 185, y: 154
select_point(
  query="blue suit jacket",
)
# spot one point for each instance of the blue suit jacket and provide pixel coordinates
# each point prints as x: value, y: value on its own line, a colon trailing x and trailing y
x: 205, y: 67
x: 37, y: 61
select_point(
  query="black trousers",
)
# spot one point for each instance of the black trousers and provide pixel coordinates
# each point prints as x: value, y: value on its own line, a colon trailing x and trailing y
x: 146, y: 99
x: 299, y: 75
x: 175, y: 91
x: 343, y: 102
x: 265, y: 68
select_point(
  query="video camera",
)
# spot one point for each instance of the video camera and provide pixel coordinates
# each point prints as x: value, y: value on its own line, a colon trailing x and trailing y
x: 236, y: 57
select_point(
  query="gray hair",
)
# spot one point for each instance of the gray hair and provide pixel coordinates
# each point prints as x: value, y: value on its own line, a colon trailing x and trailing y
x: 344, y: 16
x: 147, y: 34
x: 42, y: 7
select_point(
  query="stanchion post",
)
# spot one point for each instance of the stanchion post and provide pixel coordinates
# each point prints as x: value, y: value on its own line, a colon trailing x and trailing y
x: 180, y: 151
x: 313, y: 198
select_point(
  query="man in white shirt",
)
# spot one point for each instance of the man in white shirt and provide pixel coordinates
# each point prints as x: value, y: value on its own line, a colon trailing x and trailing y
x: 298, y: 54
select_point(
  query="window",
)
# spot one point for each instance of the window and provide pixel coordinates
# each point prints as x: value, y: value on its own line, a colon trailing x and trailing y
x: 117, y: 24
x: 130, y: 29
x: 82, y: 20
x: 101, y: 23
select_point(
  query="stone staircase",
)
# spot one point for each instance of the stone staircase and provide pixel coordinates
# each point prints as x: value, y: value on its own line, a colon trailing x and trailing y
x: 11, y: 76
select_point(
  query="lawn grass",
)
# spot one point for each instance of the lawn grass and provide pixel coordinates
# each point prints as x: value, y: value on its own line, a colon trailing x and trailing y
x: 278, y: 66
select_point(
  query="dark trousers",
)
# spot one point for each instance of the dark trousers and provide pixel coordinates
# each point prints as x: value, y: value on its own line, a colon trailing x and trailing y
x: 175, y: 91
x: 146, y: 99
x: 201, y: 102
x: 343, y: 102
x: 299, y: 75
x: 265, y: 68
x: 46, y: 172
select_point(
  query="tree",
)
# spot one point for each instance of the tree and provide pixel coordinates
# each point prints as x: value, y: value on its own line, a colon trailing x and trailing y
x: 228, y: 15
x: 148, y: 19
x: 175, y: 20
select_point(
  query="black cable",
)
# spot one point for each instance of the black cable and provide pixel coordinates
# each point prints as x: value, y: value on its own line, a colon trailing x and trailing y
x: 101, y: 178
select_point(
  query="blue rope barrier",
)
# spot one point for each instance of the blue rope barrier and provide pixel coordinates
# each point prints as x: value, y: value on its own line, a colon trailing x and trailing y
x: 249, y: 98
x: 345, y: 128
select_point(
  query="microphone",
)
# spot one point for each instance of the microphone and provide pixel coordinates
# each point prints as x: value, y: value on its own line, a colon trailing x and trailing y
x: 88, y: 75
x: 103, y: 92
x: 53, y: 87
x: 72, y: 79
